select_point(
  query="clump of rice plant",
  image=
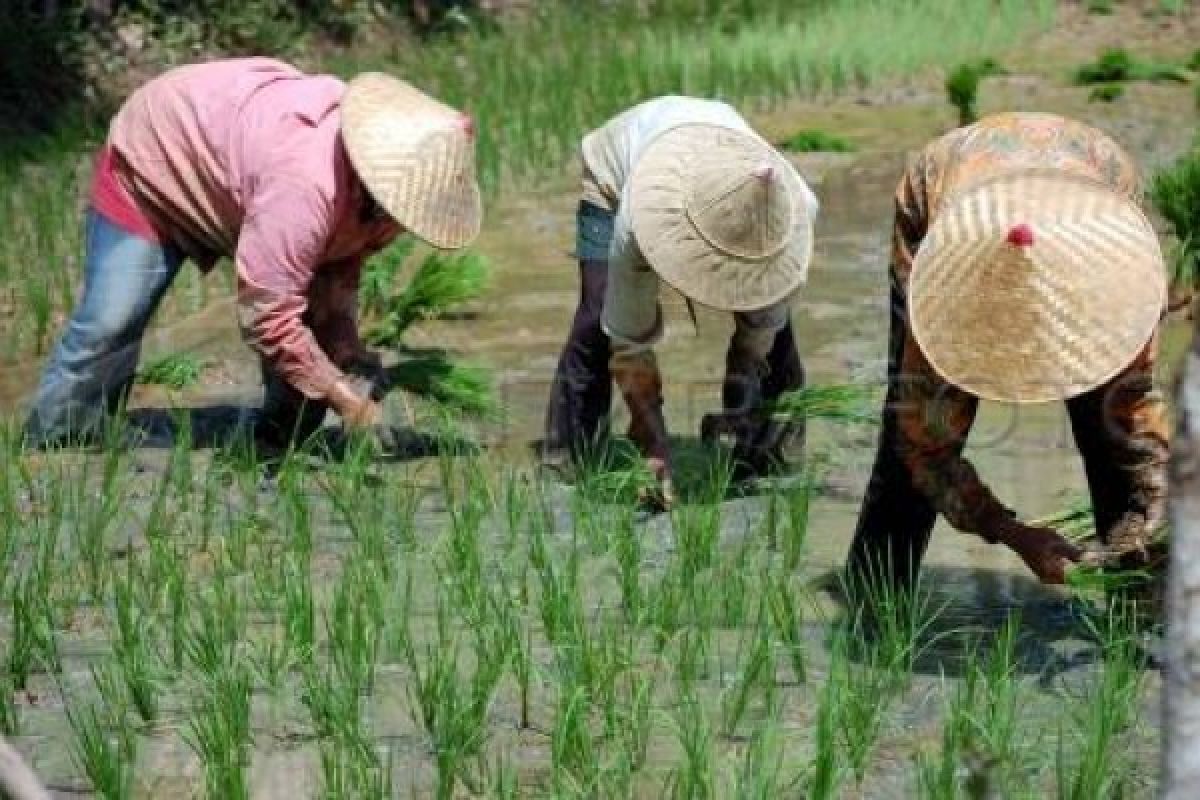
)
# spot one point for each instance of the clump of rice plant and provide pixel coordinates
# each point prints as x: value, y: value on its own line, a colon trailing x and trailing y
x: 1194, y: 62
x: 1175, y: 192
x: 465, y: 388
x: 1118, y: 64
x: 379, y: 275
x: 174, y: 370
x: 442, y: 282
x: 1100, y: 7
x: 1106, y: 93
x: 106, y: 758
x: 962, y: 87
x: 812, y: 140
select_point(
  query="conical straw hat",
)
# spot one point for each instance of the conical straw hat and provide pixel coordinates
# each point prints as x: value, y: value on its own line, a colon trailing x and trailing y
x: 721, y: 216
x: 1036, y: 287
x: 416, y: 155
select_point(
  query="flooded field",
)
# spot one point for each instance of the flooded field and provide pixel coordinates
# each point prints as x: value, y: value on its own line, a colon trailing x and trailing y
x: 187, y: 619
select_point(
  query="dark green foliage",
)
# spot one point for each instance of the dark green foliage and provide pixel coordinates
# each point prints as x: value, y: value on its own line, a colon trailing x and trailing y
x: 1194, y: 63
x: 962, y: 87
x: 1175, y: 192
x: 1107, y: 93
x: 816, y: 141
x: 1119, y: 65
x: 1100, y: 6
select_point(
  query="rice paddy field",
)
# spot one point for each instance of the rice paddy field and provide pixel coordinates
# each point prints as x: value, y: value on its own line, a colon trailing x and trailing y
x: 193, y: 617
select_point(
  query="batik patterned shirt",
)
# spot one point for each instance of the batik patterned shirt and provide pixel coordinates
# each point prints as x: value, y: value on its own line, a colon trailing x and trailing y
x: 934, y: 417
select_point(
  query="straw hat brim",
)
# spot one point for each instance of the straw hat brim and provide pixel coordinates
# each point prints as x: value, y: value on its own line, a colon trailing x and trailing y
x: 1046, y: 322
x: 680, y: 255
x: 414, y: 157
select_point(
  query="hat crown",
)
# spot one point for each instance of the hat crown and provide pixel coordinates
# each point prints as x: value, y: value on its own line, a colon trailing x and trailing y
x: 742, y: 207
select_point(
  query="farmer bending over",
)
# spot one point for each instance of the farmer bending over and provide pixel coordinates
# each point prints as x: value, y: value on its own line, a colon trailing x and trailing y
x: 1022, y: 271
x: 682, y: 190
x: 296, y: 177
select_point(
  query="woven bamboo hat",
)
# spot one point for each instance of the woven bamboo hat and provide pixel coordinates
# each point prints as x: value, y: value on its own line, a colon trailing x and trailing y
x: 416, y: 156
x: 721, y: 216
x: 1036, y: 287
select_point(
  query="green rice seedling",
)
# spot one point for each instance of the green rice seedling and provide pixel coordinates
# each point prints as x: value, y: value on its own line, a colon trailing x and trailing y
x: 106, y: 758
x: 1104, y: 713
x: 573, y: 755
x: 1194, y: 62
x: 962, y: 87
x: 826, y: 773
x: 760, y: 773
x: 442, y: 283
x: 695, y: 778
x: 212, y: 639
x: 174, y: 371
x: 816, y: 141
x: 1117, y: 64
x: 628, y: 552
x: 1106, y: 93
x: 1175, y: 192
x: 840, y: 403
x: 757, y: 673
x: 218, y: 731
x: 797, y: 505
x: 632, y: 717
x: 1104, y: 7
x: 353, y: 634
x: 351, y: 770
x: 31, y: 637
x: 131, y: 646
x: 299, y: 614
x: 453, y: 714
x: 10, y: 712
x: 788, y: 623
x: 464, y: 388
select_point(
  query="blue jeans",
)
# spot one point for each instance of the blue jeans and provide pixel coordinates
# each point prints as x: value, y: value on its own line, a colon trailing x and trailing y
x: 93, y: 365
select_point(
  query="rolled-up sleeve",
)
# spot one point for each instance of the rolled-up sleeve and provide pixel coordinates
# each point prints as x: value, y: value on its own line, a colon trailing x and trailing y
x: 284, y: 235
x: 631, y: 317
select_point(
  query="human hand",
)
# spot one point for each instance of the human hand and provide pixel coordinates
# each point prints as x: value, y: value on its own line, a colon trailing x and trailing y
x: 1047, y: 554
x: 660, y: 497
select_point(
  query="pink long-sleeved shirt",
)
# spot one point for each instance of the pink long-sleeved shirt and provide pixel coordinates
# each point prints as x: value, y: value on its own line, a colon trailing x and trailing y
x: 243, y: 158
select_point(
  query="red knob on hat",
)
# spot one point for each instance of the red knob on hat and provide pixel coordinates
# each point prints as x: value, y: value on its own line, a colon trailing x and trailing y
x: 467, y: 124
x: 1021, y: 236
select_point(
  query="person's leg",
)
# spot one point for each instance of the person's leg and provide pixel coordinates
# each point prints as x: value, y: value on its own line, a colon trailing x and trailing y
x: 1121, y: 430
x: 581, y: 393
x: 93, y: 364
x: 896, y: 519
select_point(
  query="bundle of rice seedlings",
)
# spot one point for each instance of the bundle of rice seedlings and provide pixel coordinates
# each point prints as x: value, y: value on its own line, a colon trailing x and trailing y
x: 442, y: 282
x: 465, y: 388
x: 1076, y: 523
x: 838, y: 402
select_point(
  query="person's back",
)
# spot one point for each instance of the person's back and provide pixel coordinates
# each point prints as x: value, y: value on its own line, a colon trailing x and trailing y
x: 192, y: 141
